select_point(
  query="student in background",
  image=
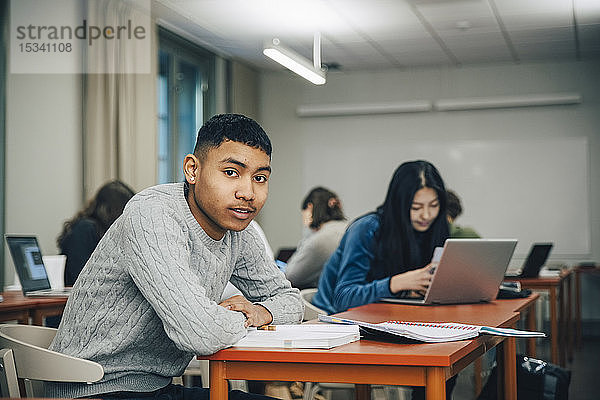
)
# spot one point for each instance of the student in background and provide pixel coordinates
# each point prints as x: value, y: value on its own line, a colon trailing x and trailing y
x: 148, y: 299
x: 454, y: 211
x: 81, y: 234
x: 324, y: 223
x: 388, y: 252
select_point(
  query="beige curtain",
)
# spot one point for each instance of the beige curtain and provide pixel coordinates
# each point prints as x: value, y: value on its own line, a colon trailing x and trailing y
x: 120, y: 127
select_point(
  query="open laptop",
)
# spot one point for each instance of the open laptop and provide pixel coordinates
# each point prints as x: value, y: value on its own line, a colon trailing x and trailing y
x: 469, y: 271
x: 27, y: 257
x: 538, y: 254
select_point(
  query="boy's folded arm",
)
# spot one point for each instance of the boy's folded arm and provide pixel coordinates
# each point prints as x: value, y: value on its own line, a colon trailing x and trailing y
x: 163, y: 275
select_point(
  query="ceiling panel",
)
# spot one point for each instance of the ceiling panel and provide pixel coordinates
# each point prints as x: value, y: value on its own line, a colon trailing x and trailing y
x: 375, y: 34
x: 520, y: 13
x: 378, y: 17
x: 587, y: 11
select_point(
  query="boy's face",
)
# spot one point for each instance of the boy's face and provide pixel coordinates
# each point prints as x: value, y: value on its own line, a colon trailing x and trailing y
x: 228, y: 187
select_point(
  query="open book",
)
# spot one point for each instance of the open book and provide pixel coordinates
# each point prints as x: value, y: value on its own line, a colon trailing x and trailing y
x: 431, y: 331
x: 307, y: 336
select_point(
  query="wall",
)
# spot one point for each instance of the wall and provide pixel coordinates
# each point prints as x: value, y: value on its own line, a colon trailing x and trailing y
x: 244, y: 90
x: 296, y: 164
x: 43, y: 157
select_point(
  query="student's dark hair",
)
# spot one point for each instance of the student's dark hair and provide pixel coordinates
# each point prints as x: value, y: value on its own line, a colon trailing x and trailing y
x: 397, y: 248
x: 326, y: 206
x: 104, y: 208
x: 454, y: 205
x: 234, y: 127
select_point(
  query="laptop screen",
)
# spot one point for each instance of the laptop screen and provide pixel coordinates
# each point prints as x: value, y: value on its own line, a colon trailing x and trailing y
x: 27, y: 257
x: 535, y: 260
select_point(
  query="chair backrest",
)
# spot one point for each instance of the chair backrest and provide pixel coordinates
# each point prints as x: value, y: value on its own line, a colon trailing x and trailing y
x: 33, y: 360
x: 310, y: 310
x: 9, y: 384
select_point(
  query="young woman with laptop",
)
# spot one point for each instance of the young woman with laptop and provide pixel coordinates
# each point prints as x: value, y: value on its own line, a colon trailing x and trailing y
x: 387, y: 252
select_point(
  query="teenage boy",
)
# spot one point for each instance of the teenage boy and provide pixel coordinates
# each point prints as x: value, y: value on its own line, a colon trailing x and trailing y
x: 146, y: 301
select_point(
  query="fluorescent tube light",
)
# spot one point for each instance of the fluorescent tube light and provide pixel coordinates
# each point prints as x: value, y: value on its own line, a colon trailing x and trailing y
x: 333, y: 110
x: 479, y: 103
x: 294, y: 62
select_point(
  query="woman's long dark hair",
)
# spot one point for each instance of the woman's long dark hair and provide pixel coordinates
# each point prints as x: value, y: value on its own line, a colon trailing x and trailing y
x: 103, y: 209
x: 397, y: 249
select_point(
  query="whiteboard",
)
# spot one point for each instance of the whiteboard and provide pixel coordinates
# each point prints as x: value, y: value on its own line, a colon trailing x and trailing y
x: 534, y: 190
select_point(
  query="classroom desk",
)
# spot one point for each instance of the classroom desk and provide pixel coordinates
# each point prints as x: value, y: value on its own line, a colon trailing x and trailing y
x: 559, y: 290
x: 18, y: 307
x: 578, y: 271
x: 368, y: 362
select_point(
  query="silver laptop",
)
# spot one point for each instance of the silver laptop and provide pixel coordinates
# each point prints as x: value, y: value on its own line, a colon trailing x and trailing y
x: 469, y: 271
x: 27, y: 257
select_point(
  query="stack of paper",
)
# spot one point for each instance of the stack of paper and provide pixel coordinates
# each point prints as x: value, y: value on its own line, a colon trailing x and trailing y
x: 308, y: 336
x: 432, y: 331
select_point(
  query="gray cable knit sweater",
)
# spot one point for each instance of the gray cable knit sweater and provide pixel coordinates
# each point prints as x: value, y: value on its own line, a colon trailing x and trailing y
x: 145, y: 303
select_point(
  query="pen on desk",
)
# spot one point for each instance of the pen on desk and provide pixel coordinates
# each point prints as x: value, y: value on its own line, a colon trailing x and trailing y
x: 267, y: 328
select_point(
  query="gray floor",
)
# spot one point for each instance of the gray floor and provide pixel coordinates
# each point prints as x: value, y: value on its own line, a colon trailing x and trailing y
x: 585, y: 380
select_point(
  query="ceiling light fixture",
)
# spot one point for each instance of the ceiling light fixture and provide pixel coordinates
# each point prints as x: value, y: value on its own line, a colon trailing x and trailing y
x: 297, y: 63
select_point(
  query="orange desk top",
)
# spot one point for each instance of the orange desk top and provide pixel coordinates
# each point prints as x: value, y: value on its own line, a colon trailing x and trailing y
x: 499, y: 313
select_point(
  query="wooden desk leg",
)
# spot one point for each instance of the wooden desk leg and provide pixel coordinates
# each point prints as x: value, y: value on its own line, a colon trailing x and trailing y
x: 362, y: 392
x: 435, y: 388
x: 578, y: 307
x: 37, y: 318
x: 554, y: 325
x: 568, y: 321
x: 562, y: 331
x: 509, y: 361
x: 531, y: 342
x: 218, y: 384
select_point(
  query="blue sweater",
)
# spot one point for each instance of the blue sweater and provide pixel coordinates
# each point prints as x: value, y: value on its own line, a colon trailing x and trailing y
x: 343, y: 283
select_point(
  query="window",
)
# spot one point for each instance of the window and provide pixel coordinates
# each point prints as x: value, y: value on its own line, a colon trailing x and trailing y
x: 185, y: 101
x: 3, y: 67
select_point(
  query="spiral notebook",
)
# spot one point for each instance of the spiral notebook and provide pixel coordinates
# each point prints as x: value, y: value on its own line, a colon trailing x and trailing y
x: 431, y: 332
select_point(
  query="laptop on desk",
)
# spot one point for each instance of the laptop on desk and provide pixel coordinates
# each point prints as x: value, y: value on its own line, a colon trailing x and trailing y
x: 27, y: 257
x: 469, y: 271
x: 538, y: 254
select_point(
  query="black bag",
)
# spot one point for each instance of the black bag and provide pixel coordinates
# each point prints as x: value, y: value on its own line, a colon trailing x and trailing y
x: 536, y: 380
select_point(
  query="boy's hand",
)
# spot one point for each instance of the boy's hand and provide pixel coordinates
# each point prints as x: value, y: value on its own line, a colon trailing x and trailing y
x: 256, y: 315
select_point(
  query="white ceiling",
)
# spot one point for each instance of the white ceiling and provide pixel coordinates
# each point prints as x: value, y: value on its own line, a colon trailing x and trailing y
x: 377, y: 34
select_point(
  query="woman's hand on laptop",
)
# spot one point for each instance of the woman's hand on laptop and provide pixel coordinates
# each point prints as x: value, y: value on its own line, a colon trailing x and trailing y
x: 417, y: 280
x: 256, y: 315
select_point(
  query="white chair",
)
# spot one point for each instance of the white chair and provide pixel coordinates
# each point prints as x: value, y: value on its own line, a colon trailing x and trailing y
x: 9, y: 384
x: 34, y: 362
x: 310, y: 310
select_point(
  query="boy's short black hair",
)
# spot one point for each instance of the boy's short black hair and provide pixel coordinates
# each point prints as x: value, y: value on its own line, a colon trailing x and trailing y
x: 234, y: 127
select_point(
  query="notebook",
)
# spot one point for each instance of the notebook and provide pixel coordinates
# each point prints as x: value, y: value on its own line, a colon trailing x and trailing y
x: 431, y: 332
x: 304, y: 336
x: 535, y: 261
x: 469, y: 271
x: 27, y: 257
